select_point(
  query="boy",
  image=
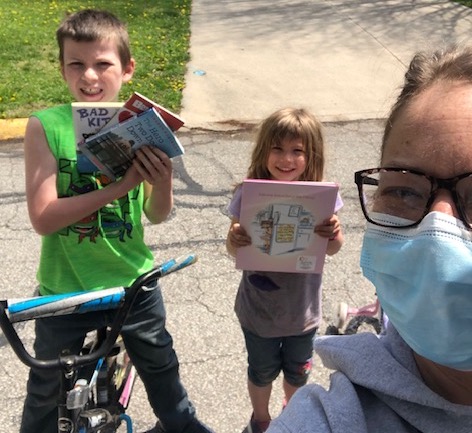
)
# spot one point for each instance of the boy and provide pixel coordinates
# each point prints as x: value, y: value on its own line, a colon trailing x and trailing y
x: 74, y: 212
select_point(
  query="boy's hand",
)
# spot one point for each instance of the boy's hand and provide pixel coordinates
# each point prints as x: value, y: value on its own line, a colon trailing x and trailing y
x: 131, y: 179
x: 329, y: 228
x: 153, y: 165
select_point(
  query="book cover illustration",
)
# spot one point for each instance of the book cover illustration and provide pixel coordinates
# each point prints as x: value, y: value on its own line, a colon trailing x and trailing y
x: 89, y: 118
x: 138, y: 103
x: 112, y: 149
x: 281, y: 217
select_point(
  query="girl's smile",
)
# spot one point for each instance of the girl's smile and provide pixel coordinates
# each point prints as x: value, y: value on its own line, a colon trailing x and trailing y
x: 287, y: 160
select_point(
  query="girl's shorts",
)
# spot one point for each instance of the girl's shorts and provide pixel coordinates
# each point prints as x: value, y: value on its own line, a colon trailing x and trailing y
x: 267, y: 357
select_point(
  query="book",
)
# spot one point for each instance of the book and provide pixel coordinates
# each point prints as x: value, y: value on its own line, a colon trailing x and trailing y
x: 137, y: 104
x: 112, y: 149
x: 91, y: 117
x: 88, y: 118
x: 280, y: 217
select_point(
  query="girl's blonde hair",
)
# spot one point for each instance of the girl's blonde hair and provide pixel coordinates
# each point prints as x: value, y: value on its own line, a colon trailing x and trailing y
x: 289, y: 124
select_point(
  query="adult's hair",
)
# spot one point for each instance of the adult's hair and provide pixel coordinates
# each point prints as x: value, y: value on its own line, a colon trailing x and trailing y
x: 91, y: 25
x: 452, y: 64
x: 289, y: 124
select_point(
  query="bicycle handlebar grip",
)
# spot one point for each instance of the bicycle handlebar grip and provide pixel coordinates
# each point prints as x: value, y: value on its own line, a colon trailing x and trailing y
x: 164, y: 269
x: 177, y: 264
x: 69, y: 303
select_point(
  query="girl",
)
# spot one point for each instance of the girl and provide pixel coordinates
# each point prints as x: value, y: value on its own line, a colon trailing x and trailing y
x: 289, y: 147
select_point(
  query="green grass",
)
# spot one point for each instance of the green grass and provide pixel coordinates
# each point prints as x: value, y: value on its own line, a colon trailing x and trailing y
x: 29, y: 74
x: 467, y: 3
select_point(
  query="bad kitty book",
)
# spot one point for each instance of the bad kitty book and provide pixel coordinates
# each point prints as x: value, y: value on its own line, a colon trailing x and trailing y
x: 280, y: 217
x: 112, y: 149
x: 89, y: 118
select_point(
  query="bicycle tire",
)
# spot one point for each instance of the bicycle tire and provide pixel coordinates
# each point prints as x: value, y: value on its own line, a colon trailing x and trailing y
x: 356, y: 322
x: 332, y: 330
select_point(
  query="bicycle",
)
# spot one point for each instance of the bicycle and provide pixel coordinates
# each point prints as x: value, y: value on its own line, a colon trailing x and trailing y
x: 96, y: 384
x: 351, y: 319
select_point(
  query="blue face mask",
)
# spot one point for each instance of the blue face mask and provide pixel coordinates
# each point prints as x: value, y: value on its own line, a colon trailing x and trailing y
x: 423, y: 278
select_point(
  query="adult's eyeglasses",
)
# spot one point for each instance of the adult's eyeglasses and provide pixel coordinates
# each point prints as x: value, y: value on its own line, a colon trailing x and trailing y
x: 407, y: 195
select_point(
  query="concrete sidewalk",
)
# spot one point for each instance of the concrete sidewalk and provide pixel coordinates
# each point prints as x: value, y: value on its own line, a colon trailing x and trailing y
x: 341, y: 59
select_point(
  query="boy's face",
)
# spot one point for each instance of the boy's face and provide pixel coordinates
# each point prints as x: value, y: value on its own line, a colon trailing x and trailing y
x: 93, y: 70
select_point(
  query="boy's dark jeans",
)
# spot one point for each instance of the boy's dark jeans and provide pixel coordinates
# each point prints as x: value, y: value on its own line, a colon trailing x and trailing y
x: 148, y: 344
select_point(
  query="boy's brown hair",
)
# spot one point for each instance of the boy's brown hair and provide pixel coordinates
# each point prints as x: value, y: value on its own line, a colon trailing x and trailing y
x: 91, y: 25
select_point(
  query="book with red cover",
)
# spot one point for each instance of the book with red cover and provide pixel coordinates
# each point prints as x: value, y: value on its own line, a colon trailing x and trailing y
x: 280, y: 217
x: 137, y: 104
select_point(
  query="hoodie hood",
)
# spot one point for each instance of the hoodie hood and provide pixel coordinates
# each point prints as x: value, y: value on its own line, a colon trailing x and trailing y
x: 385, y: 366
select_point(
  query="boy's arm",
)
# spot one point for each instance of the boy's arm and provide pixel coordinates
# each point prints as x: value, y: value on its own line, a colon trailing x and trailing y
x: 156, y: 169
x: 49, y: 213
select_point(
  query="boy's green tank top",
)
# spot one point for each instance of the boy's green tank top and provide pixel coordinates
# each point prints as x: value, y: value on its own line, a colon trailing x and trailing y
x: 105, y: 249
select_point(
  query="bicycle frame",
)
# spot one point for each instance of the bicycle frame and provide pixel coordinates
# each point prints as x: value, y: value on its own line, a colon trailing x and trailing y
x: 69, y: 364
x: 350, y: 319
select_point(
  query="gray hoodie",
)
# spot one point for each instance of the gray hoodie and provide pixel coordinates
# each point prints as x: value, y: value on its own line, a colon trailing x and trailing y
x: 376, y: 387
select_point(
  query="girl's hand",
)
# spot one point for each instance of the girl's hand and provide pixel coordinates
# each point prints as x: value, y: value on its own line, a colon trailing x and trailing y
x: 237, y: 238
x: 329, y: 228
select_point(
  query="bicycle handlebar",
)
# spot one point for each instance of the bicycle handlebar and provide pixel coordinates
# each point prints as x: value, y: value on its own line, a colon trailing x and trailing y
x: 68, y: 303
x: 68, y: 362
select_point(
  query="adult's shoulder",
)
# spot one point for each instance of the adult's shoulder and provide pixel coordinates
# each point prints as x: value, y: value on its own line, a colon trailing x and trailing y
x: 315, y: 409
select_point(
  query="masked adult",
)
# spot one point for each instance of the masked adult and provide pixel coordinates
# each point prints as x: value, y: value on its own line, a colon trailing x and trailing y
x: 417, y: 251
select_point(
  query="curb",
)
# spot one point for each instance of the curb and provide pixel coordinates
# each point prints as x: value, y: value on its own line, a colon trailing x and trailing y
x: 14, y: 129
x: 11, y: 129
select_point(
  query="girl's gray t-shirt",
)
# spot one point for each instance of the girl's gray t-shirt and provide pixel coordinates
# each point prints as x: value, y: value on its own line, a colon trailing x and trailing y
x: 277, y: 304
